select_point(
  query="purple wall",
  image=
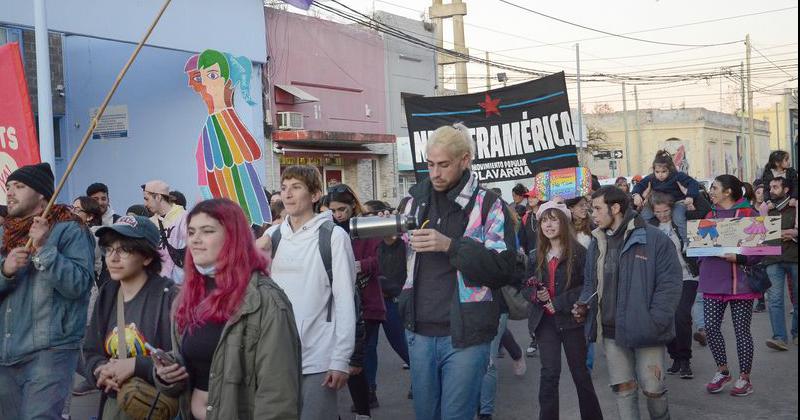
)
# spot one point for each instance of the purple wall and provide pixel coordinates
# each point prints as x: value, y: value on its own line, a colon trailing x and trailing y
x: 341, y: 65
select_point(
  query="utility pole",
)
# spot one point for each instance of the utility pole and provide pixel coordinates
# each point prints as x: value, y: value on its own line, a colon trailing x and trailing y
x: 625, y: 125
x: 580, y: 110
x: 741, y: 144
x: 44, y: 94
x: 439, y: 12
x: 488, y: 73
x: 753, y: 163
x: 638, y: 131
x: 777, y: 126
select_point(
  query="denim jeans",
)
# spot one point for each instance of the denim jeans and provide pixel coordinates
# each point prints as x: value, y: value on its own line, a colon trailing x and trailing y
x: 777, y: 313
x: 489, y: 386
x: 395, y: 332
x: 698, y: 317
x: 37, y: 387
x: 371, y: 352
x: 678, y: 217
x: 446, y: 380
x: 644, y: 366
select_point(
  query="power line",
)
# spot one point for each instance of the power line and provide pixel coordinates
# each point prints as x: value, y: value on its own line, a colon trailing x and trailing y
x: 617, y: 35
x: 658, y: 29
x: 597, y: 76
x: 765, y: 57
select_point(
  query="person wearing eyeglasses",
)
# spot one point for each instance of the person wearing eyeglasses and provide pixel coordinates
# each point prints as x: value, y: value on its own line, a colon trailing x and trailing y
x: 170, y: 219
x: 130, y: 248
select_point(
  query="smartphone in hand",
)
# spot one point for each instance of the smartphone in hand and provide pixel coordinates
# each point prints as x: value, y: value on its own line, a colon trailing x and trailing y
x: 161, y: 356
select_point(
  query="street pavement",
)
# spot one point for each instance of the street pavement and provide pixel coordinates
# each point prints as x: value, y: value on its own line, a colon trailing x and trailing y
x: 774, y: 379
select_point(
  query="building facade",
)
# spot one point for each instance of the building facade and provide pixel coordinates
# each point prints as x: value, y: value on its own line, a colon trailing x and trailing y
x: 410, y: 71
x: 782, y: 119
x: 161, y: 113
x: 325, y: 86
x: 703, y: 143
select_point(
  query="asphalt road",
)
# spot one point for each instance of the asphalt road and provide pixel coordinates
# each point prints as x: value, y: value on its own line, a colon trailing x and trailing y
x: 774, y: 379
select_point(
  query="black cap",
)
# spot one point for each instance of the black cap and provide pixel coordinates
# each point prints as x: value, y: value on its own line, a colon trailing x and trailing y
x: 133, y: 227
x: 39, y: 177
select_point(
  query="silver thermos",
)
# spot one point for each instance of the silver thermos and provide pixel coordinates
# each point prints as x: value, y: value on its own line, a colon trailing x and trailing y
x: 377, y: 226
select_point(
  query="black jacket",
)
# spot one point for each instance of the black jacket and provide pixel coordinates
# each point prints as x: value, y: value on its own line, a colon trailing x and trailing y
x: 528, y: 232
x: 791, y: 180
x: 564, y: 298
x: 159, y: 294
x: 471, y: 321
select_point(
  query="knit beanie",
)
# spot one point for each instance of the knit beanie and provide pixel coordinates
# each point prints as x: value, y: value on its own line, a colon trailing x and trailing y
x: 39, y: 177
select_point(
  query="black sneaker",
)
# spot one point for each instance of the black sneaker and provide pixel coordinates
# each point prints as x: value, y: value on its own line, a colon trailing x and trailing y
x: 686, y: 370
x: 760, y: 307
x: 675, y: 368
x: 484, y: 417
x: 373, y: 399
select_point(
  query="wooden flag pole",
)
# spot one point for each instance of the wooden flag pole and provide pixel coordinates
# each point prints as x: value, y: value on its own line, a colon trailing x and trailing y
x: 100, y: 112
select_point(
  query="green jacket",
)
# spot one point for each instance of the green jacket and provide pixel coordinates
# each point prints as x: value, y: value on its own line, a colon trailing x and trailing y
x: 255, y: 371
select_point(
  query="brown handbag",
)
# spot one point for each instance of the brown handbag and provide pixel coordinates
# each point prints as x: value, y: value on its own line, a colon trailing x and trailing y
x: 136, y: 397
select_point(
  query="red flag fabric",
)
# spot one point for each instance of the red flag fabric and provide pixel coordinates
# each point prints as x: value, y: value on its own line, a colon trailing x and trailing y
x: 18, y: 143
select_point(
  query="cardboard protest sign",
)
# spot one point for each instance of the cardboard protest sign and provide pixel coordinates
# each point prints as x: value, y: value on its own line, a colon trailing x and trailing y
x: 565, y: 183
x: 18, y: 143
x: 226, y: 150
x: 740, y: 235
x: 518, y: 130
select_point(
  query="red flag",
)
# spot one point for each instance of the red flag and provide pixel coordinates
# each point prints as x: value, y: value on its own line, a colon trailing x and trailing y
x: 18, y: 144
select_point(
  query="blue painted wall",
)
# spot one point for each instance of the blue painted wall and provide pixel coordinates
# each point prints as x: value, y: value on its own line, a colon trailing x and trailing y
x: 165, y: 118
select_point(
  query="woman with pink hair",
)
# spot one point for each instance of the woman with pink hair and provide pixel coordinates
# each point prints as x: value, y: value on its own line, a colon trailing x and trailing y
x: 236, y: 350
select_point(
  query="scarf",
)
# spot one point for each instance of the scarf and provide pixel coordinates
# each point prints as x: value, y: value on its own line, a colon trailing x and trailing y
x: 15, y: 229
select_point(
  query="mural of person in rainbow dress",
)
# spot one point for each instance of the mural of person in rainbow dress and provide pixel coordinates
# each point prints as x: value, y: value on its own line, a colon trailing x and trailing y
x: 226, y: 150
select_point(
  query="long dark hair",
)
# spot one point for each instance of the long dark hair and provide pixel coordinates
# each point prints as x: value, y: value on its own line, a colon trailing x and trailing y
x: 342, y: 193
x: 730, y: 182
x: 580, y: 225
x: 775, y: 159
x: 90, y: 207
x: 664, y: 158
x: 567, y: 243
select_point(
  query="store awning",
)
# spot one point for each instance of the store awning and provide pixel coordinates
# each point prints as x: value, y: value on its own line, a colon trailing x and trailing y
x: 333, y: 152
x: 290, y: 95
x: 323, y: 138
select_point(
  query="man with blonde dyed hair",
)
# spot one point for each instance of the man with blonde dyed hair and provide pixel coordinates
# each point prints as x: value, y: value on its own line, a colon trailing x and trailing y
x: 449, y: 268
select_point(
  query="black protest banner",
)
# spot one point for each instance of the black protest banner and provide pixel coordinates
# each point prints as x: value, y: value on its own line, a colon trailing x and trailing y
x: 518, y: 130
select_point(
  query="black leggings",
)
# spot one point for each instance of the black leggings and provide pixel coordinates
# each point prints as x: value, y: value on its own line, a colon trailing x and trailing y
x: 742, y: 314
x: 359, y: 391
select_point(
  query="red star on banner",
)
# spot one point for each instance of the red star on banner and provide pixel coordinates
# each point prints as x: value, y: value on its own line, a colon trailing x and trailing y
x: 490, y: 105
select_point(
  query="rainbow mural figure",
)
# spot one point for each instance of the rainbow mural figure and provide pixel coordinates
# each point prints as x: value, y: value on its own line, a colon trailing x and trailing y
x: 226, y: 151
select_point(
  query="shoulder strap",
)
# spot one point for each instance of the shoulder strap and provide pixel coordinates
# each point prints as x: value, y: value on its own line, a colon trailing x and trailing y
x: 276, y: 240
x: 401, y: 206
x: 325, y: 234
x: 488, y: 201
x: 122, y: 345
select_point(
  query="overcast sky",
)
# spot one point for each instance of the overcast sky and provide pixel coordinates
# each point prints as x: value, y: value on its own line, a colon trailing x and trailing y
x: 522, y: 38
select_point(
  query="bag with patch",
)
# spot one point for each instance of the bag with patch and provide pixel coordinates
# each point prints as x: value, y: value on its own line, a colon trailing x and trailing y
x: 136, y: 397
x: 518, y: 305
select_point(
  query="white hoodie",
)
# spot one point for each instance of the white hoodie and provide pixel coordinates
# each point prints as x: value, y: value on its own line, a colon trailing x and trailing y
x: 298, y: 269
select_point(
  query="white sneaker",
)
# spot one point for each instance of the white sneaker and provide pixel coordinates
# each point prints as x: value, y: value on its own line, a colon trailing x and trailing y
x: 362, y: 417
x: 520, y: 366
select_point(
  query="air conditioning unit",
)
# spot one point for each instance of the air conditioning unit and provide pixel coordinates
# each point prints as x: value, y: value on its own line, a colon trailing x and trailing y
x: 290, y: 121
